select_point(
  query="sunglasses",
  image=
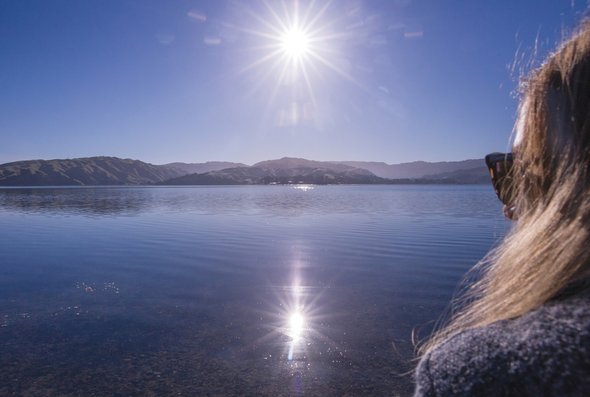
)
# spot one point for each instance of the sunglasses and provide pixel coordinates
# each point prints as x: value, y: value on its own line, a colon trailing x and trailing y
x: 500, y: 167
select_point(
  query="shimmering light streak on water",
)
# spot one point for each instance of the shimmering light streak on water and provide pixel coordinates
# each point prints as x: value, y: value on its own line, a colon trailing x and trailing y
x: 296, y: 325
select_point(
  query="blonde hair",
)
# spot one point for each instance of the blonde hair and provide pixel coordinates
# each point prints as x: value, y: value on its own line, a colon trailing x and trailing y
x: 549, y: 246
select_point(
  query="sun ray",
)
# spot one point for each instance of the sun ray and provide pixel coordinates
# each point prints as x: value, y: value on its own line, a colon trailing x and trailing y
x: 335, y: 68
x: 314, y: 38
x: 273, y: 28
x: 278, y: 19
x: 308, y: 10
x: 320, y: 14
x: 251, y: 31
x: 260, y: 61
x: 291, y: 17
x: 305, y: 38
x: 309, y: 88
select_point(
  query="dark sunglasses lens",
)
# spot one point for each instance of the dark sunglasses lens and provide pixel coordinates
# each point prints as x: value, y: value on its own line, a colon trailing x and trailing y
x: 500, y: 167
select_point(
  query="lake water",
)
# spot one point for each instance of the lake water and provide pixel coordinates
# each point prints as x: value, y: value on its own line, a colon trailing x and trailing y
x: 265, y: 290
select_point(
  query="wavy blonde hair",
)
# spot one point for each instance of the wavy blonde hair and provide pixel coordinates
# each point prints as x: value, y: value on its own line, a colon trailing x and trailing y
x: 549, y: 246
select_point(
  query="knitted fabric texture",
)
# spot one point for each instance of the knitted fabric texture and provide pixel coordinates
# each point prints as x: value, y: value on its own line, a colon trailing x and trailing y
x: 543, y: 353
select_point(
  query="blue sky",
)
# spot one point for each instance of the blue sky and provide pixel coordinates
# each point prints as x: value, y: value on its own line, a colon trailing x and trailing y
x: 194, y: 81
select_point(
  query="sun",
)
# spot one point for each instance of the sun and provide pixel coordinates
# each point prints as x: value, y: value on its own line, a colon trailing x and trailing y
x: 295, y: 43
x: 297, y: 46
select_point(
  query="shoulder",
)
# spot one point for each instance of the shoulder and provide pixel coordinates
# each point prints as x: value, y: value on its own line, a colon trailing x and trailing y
x: 545, y: 352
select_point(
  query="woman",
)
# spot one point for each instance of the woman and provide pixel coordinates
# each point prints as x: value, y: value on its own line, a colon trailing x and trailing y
x: 524, y: 327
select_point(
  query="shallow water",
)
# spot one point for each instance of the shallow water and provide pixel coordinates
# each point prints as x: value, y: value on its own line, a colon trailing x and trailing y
x: 192, y: 290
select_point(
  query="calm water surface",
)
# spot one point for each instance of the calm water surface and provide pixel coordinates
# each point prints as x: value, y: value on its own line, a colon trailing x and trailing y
x: 268, y: 290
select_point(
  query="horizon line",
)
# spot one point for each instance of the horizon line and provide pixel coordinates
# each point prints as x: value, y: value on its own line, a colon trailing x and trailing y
x: 236, y: 162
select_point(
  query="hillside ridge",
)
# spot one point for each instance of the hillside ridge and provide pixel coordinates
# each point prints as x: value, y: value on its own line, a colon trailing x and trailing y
x: 108, y: 170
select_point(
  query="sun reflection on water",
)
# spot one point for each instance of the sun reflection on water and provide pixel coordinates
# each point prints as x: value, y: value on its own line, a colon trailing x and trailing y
x: 303, y: 187
x: 295, y: 331
x: 298, y: 339
x: 296, y: 322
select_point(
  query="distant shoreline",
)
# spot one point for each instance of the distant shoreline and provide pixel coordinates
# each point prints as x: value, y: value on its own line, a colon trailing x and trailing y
x: 113, y: 171
x: 420, y: 183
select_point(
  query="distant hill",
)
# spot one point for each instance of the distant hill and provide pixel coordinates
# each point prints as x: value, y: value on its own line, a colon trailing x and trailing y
x: 116, y: 171
x: 282, y: 171
x: 230, y: 176
x: 200, y: 168
x: 291, y: 163
x: 477, y: 175
x: 83, y: 171
x: 416, y: 169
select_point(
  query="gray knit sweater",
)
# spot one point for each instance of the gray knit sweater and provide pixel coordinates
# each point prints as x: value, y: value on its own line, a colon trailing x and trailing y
x: 543, y: 353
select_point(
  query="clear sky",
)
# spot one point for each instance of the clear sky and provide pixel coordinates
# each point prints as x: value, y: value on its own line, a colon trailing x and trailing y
x: 245, y: 81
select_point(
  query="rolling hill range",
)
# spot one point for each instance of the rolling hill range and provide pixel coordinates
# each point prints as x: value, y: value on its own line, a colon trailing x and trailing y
x: 283, y: 171
x: 416, y: 169
x: 296, y: 170
x: 100, y: 171
x: 83, y: 171
x: 200, y: 168
x: 478, y: 175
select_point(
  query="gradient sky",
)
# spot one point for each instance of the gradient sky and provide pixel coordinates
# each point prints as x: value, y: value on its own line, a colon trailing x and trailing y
x: 194, y: 81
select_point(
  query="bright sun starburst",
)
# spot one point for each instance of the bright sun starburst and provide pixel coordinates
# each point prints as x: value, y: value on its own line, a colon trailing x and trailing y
x: 292, y: 44
x: 295, y: 43
x: 296, y: 322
